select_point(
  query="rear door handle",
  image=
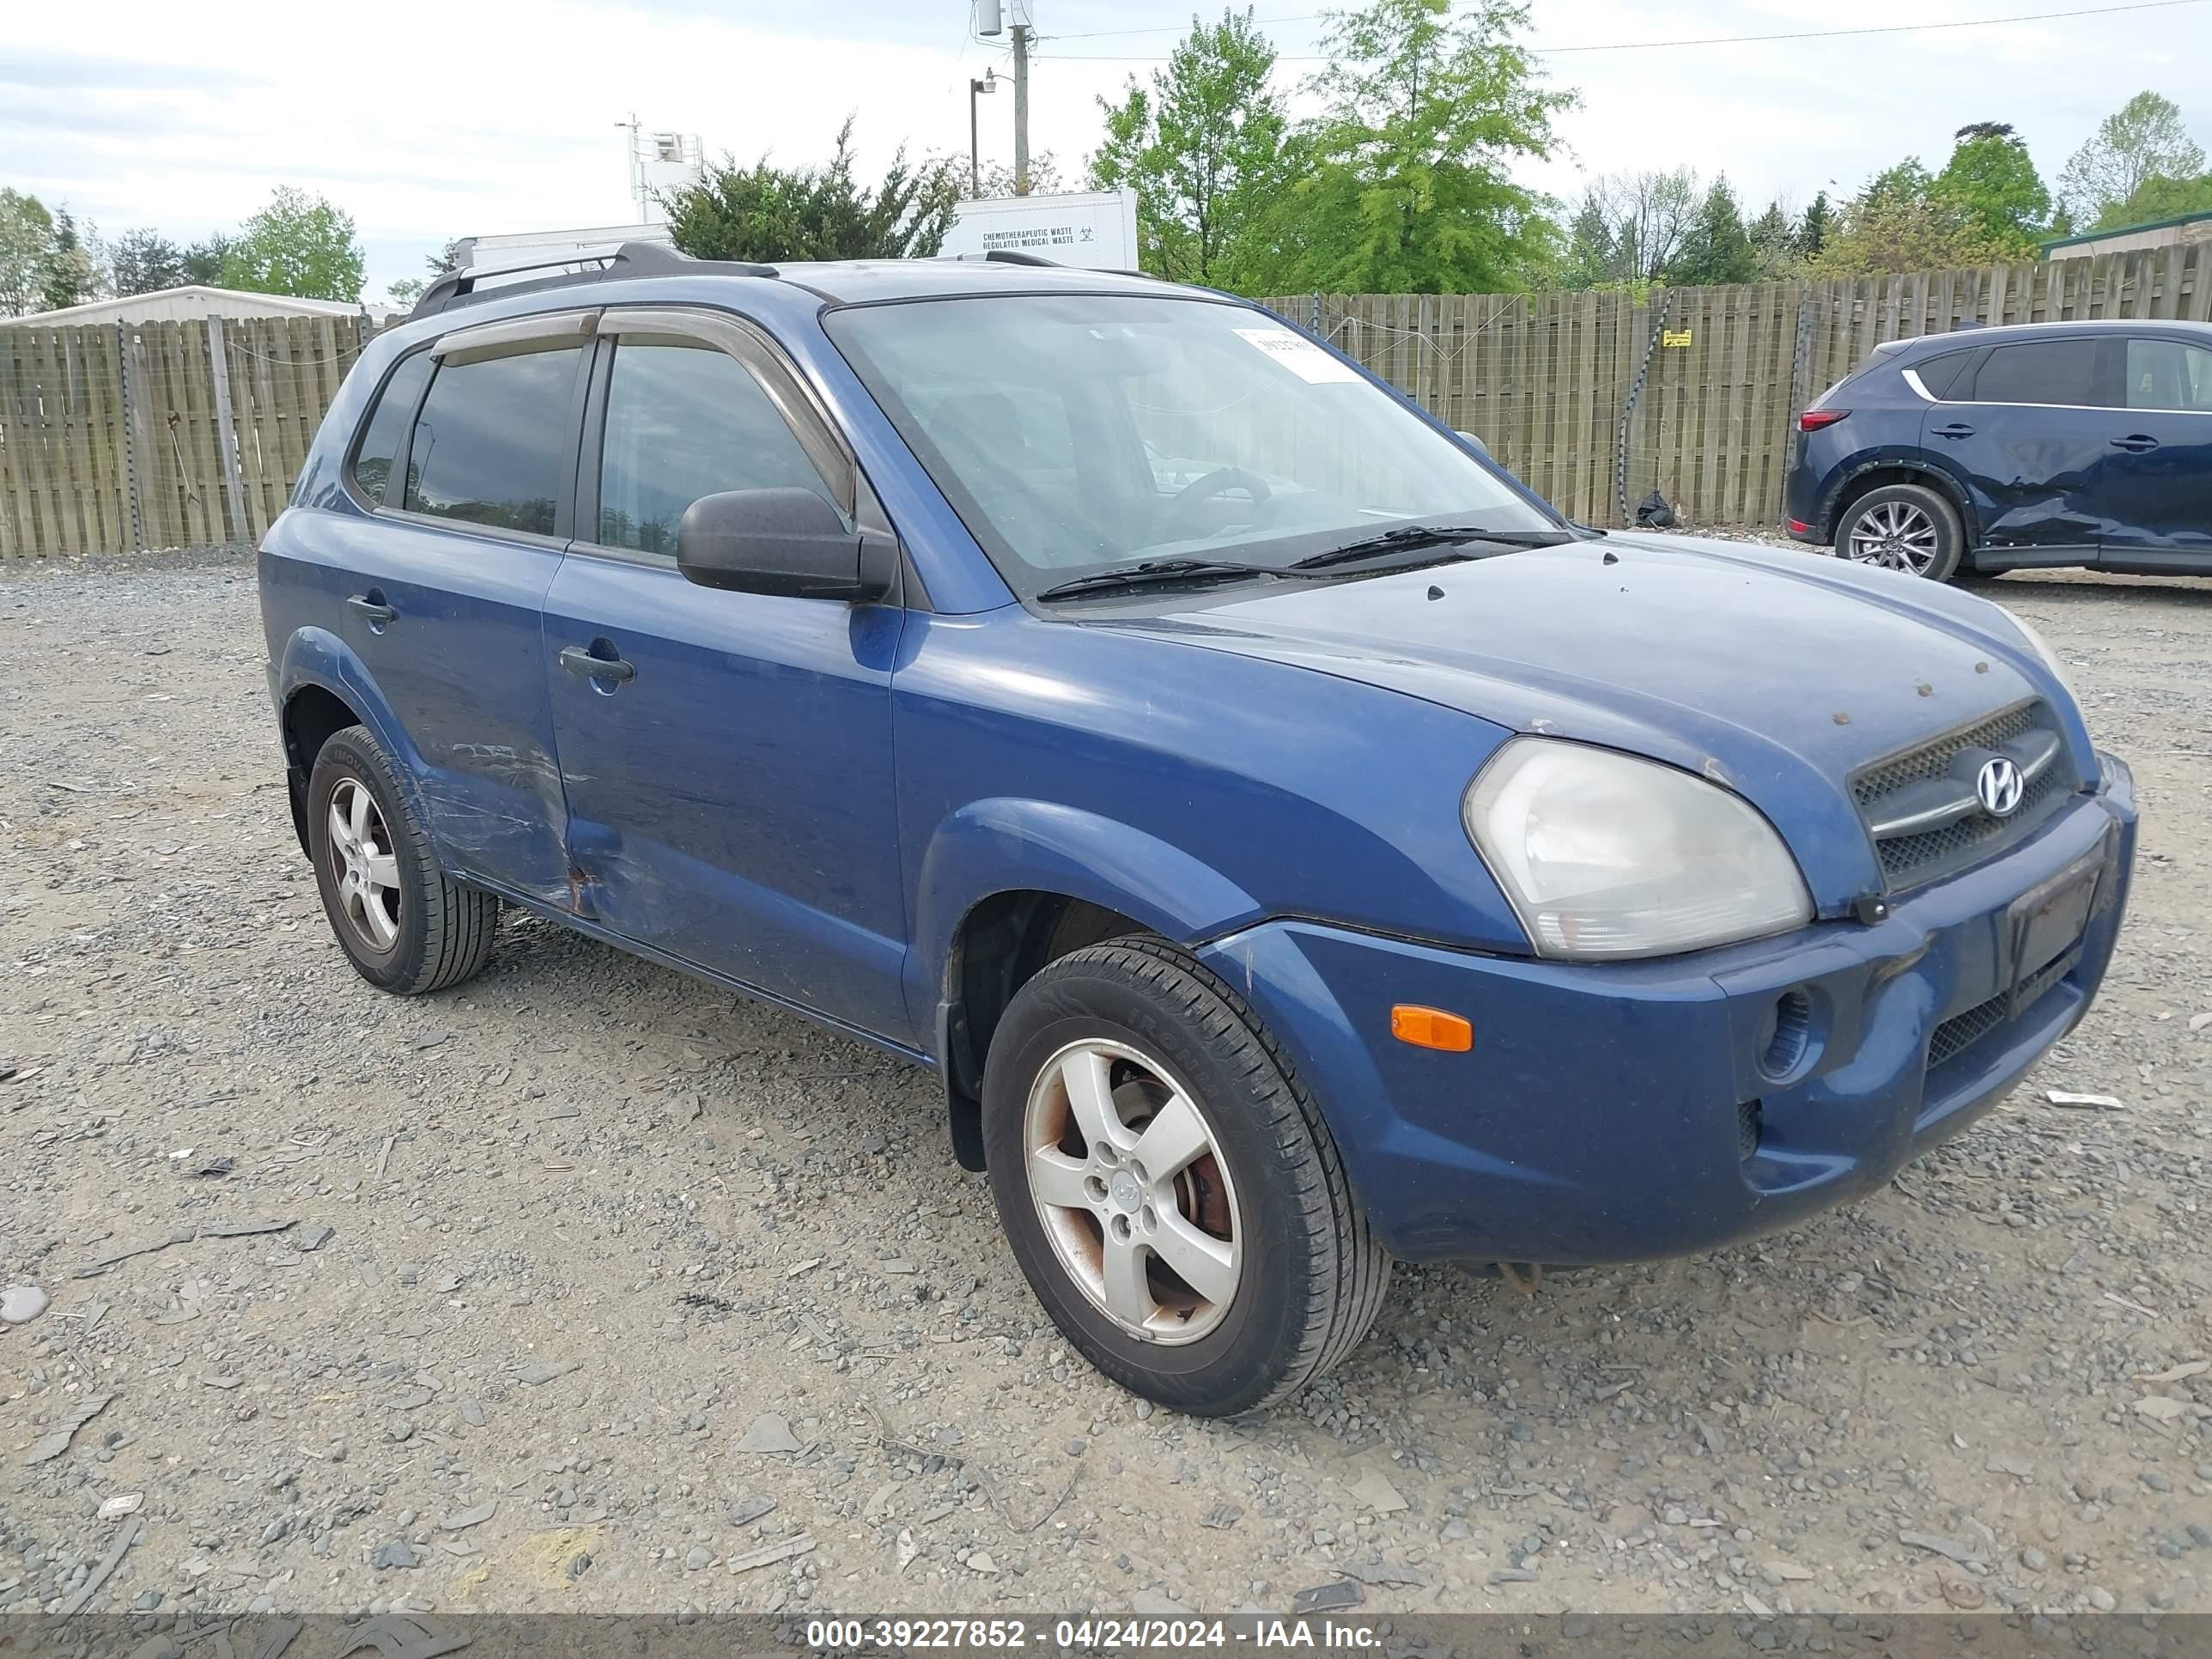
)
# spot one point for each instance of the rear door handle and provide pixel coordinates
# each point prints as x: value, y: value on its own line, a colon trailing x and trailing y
x: 583, y: 665
x: 1956, y: 429
x: 2136, y: 442
x: 372, y: 609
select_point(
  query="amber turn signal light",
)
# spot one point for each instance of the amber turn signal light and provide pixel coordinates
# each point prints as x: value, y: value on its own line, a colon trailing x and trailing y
x: 1431, y: 1028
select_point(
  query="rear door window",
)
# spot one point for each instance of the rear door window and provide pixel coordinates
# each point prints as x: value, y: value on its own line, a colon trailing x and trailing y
x: 387, y: 425
x: 487, y: 445
x: 685, y: 419
x: 2062, y: 372
x: 1940, y: 374
x: 2168, y: 375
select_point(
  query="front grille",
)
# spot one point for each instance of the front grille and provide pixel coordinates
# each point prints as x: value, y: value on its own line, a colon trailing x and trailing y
x: 1909, y: 860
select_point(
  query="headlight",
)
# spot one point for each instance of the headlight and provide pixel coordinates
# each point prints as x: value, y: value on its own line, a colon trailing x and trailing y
x: 2042, y: 649
x: 1604, y: 856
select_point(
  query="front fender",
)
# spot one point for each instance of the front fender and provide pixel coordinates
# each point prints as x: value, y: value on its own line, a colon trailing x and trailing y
x: 1009, y: 844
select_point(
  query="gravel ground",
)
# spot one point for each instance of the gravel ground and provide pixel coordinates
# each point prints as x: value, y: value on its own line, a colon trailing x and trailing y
x: 598, y: 1289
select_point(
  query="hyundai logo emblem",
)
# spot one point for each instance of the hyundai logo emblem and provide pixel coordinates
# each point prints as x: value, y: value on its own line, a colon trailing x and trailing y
x: 1998, y: 786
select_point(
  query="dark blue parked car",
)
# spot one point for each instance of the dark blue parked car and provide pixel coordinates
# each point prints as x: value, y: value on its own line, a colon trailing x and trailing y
x: 2010, y: 448
x: 1295, y: 847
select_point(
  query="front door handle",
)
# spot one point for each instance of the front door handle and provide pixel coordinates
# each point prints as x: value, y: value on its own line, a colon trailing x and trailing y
x: 585, y: 666
x: 370, y: 606
x: 1956, y: 429
x: 2136, y: 442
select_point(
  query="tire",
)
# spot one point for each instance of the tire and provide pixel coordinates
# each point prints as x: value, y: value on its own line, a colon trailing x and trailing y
x: 1138, y: 1026
x: 1909, y: 527
x: 405, y: 928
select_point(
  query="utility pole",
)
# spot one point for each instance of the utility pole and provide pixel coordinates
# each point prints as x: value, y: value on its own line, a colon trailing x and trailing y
x: 1021, y: 32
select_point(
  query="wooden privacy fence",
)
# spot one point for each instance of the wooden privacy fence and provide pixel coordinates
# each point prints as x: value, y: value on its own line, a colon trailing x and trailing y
x: 1596, y: 400
x: 119, y: 437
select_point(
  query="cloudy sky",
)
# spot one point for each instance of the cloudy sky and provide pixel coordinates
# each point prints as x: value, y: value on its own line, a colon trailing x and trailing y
x: 427, y: 121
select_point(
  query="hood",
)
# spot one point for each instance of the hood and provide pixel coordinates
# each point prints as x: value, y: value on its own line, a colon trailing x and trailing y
x: 1775, y: 673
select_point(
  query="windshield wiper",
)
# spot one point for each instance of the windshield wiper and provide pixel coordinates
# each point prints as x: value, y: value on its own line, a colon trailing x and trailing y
x: 1411, y: 538
x: 1152, y: 571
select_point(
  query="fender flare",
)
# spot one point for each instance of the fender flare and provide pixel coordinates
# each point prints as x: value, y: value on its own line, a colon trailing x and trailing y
x: 1935, y: 472
x: 1005, y: 845
x: 316, y: 657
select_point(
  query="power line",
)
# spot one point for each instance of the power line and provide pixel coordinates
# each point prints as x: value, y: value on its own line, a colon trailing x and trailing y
x: 1660, y: 46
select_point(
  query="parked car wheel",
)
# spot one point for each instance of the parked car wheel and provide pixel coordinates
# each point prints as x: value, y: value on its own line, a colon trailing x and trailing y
x: 1908, y: 527
x: 406, y: 927
x: 1168, y: 1185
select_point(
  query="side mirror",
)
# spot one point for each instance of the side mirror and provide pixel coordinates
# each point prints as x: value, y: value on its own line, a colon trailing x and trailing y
x: 786, y: 542
x: 1472, y: 441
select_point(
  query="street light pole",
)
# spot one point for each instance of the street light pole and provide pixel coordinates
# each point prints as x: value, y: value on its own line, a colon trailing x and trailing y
x: 988, y: 83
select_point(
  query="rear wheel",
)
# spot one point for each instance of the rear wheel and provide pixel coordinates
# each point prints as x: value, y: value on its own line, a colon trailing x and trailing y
x: 404, y: 926
x: 1168, y: 1185
x: 1904, y: 526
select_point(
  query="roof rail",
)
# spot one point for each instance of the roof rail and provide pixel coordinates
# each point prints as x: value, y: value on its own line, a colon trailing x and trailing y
x: 1002, y: 255
x: 462, y: 288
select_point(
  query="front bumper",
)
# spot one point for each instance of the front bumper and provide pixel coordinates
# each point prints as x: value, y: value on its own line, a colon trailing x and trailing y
x: 1617, y: 1112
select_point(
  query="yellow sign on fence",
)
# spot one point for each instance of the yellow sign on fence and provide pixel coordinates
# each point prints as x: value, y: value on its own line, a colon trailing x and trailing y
x: 1674, y: 337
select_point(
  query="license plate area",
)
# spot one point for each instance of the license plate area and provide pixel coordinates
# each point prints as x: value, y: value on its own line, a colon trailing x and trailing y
x: 2046, y: 924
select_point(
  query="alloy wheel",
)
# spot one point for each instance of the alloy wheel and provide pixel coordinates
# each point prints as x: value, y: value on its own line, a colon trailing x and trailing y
x: 1895, y: 535
x: 364, y: 867
x: 1134, y: 1195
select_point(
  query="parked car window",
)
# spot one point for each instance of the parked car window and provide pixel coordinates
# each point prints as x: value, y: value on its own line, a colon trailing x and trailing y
x: 487, y: 447
x: 685, y: 419
x: 2168, y: 375
x: 1078, y: 433
x: 1940, y: 374
x: 388, y: 425
x: 2039, y: 372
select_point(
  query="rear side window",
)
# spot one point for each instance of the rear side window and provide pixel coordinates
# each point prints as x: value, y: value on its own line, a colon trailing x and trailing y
x: 2039, y: 372
x: 1940, y: 374
x: 2168, y: 375
x: 686, y: 420
x: 487, y: 447
x: 388, y: 425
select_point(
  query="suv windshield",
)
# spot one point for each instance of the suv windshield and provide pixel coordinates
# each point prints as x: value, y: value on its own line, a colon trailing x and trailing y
x: 1076, y: 434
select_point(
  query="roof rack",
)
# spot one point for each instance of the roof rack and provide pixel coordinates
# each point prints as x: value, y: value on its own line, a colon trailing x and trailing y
x: 462, y: 288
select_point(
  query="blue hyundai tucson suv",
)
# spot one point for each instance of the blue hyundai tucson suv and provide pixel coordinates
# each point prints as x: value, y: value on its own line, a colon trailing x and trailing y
x: 1295, y: 846
x: 1996, y: 449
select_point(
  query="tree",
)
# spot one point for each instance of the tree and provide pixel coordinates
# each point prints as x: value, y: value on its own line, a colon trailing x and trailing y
x: 2158, y: 198
x: 1402, y: 184
x: 26, y: 239
x: 1202, y: 148
x: 768, y: 213
x: 997, y: 178
x: 1717, y: 249
x: 1901, y: 222
x: 443, y: 262
x: 204, y: 259
x: 1992, y: 178
x: 146, y: 261
x: 298, y: 245
x: 1631, y: 227
x: 2144, y: 139
x: 72, y: 276
x: 1774, y: 237
x: 1812, y: 229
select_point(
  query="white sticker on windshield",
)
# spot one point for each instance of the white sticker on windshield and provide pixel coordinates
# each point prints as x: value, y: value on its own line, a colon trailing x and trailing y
x: 1299, y: 354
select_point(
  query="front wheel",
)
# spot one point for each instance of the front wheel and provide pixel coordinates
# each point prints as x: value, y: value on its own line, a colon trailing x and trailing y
x: 1168, y: 1185
x: 1904, y: 526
